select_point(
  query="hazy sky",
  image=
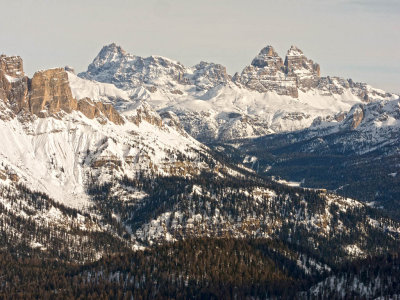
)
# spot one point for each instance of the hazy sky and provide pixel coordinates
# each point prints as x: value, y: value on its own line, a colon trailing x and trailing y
x: 351, y: 38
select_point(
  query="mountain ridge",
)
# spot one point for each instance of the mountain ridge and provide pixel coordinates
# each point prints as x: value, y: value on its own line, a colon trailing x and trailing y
x: 270, y: 95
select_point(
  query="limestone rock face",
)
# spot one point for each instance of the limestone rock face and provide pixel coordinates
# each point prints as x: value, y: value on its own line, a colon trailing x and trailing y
x: 12, y: 66
x: 267, y: 73
x: 295, y: 61
x: 268, y: 58
x: 358, y: 116
x: 13, y: 83
x: 305, y: 70
x: 88, y: 108
x: 354, y: 117
x: 208, y: 75
x: 144, y: 112
x: 109, y: 111
x: 96, y: 109
x: 51, y: 93
x: 48, y: 93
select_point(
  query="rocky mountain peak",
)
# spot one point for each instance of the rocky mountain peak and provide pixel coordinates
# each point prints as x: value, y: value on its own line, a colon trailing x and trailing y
x: 207, y: 75
x: 266, y: 74
x: 112, y: 49
x: 268, y: 51
x: 13, y: 84
x: 108, y: 54
x: 294, y: 51
x: 296, y: 62
x: 267, y: 57
x: 12, y: 66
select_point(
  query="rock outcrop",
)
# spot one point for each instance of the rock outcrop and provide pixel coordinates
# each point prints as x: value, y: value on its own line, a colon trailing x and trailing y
x: 144, y: 112
x: 305, y: 70
x: 267, y: 74
x: 208, y: 75
x: 12, y: 66
x: 269, y: 58
x: 355, y: 117
x: 50, y: 93
x: 109, y: 112
x: 95, y: 109
x: 296, y: 62
x: 13, y: 83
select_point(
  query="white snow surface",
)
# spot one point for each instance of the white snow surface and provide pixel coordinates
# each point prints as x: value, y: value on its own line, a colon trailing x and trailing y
x: 94, y: 90
x: 56, y: 156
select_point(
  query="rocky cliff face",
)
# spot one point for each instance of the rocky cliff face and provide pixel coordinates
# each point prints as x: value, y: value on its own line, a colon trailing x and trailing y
x: 356, y: 115
x: 208, y: 75
x: 305, y: 70
x: 267, y: 74
x: 12, y: 66
x: 296, y: 62
x: 144, y: 112
x: 13, y: 83
x: 102, y: 111
x: 48, y: 93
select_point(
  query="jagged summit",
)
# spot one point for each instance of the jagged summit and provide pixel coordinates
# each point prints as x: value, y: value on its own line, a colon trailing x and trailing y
x: 294, y: 51
x: 296, y: 62
x: 108, y: 56
x: 269, y: 51
x: 127, y: 71
x: 267, y: 57
x: 111, y: 51
x: 12, y: 65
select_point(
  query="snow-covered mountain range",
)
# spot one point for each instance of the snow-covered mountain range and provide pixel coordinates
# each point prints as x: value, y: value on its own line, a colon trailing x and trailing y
x: 103, y: 150
x: 270, y: 95
x: 53, y: 138
x: 112, y: 161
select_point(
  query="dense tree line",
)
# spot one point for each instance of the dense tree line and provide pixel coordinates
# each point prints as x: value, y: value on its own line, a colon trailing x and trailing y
x: 27, y: 228
x: 323, y: 162
x: 203, y: 268
x: 194, y: 203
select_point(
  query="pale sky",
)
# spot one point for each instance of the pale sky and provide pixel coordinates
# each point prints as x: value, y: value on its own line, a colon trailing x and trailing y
x: 358, y: 39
